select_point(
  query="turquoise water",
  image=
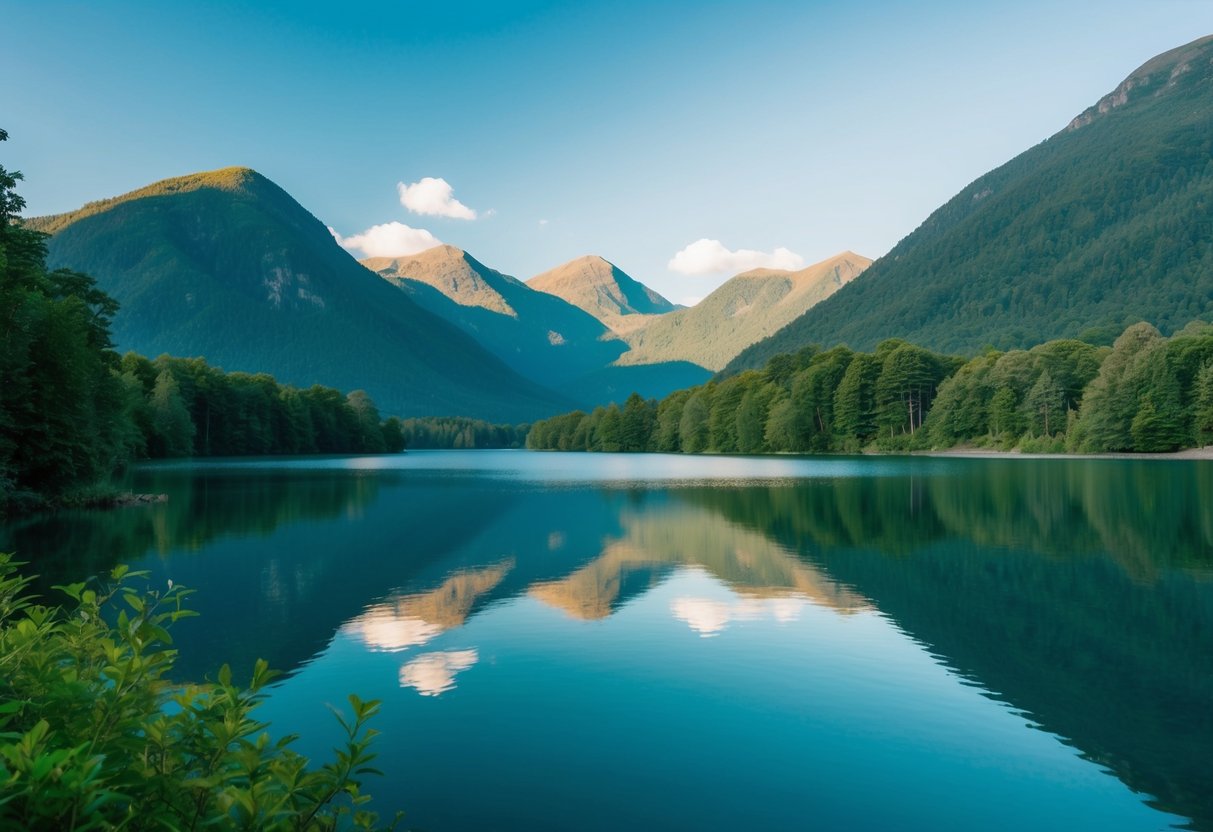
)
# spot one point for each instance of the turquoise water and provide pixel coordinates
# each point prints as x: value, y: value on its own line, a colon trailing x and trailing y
x: 581, y: 641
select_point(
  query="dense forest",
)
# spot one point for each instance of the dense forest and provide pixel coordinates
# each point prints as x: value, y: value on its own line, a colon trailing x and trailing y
x: 1145, y: 393
x: 72, y: 411
x: 460, y: 432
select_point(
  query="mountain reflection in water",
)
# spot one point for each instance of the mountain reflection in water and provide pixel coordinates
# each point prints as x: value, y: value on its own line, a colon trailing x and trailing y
x: 1078, y: 592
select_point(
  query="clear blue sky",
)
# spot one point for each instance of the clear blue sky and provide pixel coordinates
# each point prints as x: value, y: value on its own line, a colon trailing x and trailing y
x: 624, y: 129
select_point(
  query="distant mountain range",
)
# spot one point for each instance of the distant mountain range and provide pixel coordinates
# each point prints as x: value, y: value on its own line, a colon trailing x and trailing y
x: 1105, y: 224
x: 744, y: 310
x: 542, y: 336
x: 227, y: 266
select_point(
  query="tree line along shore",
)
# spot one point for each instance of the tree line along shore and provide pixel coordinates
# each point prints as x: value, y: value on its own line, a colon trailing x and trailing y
x: 1145, y: 393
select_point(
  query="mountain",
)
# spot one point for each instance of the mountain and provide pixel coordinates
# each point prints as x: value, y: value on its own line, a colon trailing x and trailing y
x: 744, y: 310
x: 227, y: 265
x: 603, y: 290
x: 1102, y: 225
x: 540, y: 335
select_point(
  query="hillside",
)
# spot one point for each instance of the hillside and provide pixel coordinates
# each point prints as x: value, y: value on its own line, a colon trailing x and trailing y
x: 744, y: 310
x: 228, y: 266
x: 603, y: 290
x: 1104, y: 224
x: 540, y: 335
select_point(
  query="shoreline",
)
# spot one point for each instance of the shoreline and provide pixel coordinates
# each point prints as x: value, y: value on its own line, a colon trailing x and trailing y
x: 1205, y: 453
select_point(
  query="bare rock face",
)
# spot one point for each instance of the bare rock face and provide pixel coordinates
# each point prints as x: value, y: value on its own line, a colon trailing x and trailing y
x: 1155, y: 77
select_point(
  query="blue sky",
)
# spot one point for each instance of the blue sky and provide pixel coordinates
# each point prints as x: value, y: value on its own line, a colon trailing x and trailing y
x: 631, y: 130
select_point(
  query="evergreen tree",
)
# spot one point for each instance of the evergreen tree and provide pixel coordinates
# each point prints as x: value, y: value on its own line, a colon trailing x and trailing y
x: 1045, y: 405
x: 1109, y: 403
x: 855, y: 402
x: 1202, y: 414
x: 693, y: 427
x: 172, y: 431
x: 639, y: 421
x: 782, y: 433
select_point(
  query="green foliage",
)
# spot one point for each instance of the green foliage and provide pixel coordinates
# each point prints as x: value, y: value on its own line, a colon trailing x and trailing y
x: 1145, y: 394
x: 93, y: 735
x: 63, y: 408
x: 1104, y: 224
x: 189, y: 408
x: 455, y: 432
x: 1202, y: 415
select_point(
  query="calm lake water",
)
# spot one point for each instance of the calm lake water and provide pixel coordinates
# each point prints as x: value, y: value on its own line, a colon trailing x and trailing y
x: 607, y: 642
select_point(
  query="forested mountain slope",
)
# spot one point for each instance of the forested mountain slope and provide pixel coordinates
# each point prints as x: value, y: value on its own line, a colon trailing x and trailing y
x: 1106, y: 223
x: 226, y: 265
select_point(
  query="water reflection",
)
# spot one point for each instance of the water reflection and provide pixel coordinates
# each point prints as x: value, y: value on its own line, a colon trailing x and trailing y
x: 405, y: 621
x: 434, y: 673
x: 710, y: 616
x: 1080, y: 593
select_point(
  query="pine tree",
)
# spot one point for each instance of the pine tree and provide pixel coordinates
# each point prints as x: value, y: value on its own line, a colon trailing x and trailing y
x: 172, y: 430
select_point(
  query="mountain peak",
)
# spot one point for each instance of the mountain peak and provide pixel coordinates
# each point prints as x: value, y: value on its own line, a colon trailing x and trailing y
x: 450, y: 270
x: 602, y: 289
x: 1184, y: 65
x: 231, y: 179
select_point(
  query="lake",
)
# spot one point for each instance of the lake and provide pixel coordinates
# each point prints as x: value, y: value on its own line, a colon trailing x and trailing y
x: 605, y: 642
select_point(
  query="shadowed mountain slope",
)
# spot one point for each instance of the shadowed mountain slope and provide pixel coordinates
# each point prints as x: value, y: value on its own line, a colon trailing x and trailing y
x: 540, y: 335
x: 603, y: 290
x: 228, y: 266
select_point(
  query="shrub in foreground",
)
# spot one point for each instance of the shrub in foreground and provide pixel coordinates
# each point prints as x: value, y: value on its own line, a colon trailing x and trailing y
x: 95, y: 735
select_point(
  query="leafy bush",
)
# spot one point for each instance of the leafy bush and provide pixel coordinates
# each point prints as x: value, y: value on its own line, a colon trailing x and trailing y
x: 95, y: 735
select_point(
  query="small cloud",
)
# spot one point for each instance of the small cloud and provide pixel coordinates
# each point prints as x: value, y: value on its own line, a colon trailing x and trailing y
x: 711, y: 257
x: 691, y: 301
x: 492, y: 212
x: 392, y: 239
x: 433, y: 197
x: 542, y: 223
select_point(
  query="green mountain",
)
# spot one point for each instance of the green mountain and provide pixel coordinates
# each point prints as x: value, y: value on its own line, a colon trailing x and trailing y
x: 1104, y: 224
x: 540, y: 335
x: 603, y: 290
x: 228, y: 266
x: 741, y: 312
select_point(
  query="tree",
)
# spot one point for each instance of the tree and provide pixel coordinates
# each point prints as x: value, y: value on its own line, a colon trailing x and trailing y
x: 639, y: 421
x: 1110, y: 402
x: 1006, y: 422
x: 1202, y: 414
x: 693, y: 427
x: 64, y: 410
x: 855, y: 402
x: 1045, y: 405
x: 172, y: 431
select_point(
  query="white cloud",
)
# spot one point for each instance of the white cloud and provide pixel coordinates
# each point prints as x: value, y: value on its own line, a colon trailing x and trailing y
x: 711, y: 257
x: 542, y: 223
x: 391, y: 239
x: 433, y: 197
x: 690, y: 301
